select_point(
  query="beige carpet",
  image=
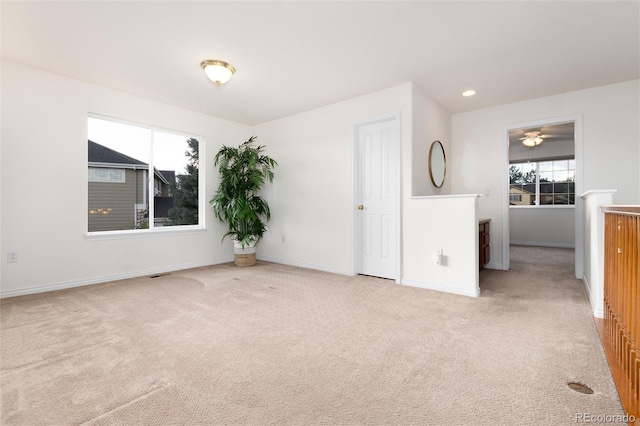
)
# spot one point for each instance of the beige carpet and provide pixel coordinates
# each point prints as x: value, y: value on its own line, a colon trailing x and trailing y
x: 274, y: 344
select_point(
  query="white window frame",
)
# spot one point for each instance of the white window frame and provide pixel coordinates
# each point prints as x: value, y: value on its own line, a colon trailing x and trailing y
x: 153, y: 231
x: 537, y: 205
x: 121, y: 179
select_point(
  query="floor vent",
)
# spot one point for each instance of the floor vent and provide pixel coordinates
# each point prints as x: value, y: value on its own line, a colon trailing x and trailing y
x: 159, y: 275
x: 579, y: 387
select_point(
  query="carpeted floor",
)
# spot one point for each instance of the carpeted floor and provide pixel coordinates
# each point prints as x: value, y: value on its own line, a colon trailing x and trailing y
x: 275, y: 344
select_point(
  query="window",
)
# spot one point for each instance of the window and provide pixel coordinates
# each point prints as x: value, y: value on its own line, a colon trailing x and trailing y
x: 542, y: 183
x: 141, y: 178
x: 106, y: 175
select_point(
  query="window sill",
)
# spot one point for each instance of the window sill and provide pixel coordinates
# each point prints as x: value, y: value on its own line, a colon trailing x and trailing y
x: 545, y: 207
x: 143, y: 233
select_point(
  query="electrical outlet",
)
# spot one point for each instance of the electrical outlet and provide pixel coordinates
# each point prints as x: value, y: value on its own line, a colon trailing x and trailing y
x: 12, y: 256
x: 283, y: 238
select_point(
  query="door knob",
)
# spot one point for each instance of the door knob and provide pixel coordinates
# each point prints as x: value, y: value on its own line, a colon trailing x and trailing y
x: 360, y: 207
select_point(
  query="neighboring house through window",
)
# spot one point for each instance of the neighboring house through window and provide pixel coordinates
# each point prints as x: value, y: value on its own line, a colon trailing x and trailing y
x: 125, y: 192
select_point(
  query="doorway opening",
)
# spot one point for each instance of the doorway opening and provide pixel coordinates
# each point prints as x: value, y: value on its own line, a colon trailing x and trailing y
x: 543, y: 181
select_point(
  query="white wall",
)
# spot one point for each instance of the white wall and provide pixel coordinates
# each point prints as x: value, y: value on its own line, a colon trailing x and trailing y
x: 549, y: 227
x: 2, y: 251
x: 312, y: 197
x: 611, y: 146
x: 44, y: 184
x: 312, y: 200
x: 430, y: 123
x: 450, y: 224
x: 434, y: 219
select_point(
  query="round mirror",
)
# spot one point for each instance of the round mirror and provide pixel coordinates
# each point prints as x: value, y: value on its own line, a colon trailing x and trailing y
x: 437, y: 164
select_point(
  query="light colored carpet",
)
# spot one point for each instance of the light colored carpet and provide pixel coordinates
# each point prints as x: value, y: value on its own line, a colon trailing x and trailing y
x: 274, y: 344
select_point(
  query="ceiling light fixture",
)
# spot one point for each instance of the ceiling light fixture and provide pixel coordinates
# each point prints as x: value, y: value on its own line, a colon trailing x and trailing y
x: 217, y: 71
x: 468, y: 93
x: 532, y: 139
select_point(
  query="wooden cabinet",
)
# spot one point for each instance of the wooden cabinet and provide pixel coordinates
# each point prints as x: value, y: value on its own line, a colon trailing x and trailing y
x: 484, y: 241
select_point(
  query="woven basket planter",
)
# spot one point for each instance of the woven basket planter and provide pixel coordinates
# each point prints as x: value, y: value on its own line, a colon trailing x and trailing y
x: 244, y: 256
x: 245, y: 259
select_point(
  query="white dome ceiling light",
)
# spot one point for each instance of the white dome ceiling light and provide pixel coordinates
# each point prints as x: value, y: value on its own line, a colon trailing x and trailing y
x: 217, y: 71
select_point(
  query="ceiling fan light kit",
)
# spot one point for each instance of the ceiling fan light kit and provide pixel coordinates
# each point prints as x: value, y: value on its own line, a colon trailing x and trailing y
x: 532, y: 139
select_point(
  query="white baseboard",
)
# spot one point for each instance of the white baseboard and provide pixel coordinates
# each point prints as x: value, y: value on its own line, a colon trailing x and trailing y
x: 142, y: 273
x: 597, y: 312
x: 587, y: 286
x: 473, y: 293
x: 492, y: 265
x: 542, y: 244
x: 108, y: 278
x: 304, y: 265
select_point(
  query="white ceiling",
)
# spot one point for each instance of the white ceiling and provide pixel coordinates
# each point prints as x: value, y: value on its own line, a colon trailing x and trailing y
x: 295, y: 56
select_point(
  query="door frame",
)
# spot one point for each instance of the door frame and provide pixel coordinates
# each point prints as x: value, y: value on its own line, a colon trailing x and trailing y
x: 579, y: 206
x: 393, y: 117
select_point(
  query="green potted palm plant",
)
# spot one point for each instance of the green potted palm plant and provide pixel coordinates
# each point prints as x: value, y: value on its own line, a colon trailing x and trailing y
x: 237, y: 202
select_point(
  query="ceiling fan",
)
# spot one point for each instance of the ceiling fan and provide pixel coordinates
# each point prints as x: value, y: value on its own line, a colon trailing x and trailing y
x: 534, y: 136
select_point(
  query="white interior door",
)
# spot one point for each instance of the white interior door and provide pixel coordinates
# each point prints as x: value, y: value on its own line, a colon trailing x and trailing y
x: 377, y: 156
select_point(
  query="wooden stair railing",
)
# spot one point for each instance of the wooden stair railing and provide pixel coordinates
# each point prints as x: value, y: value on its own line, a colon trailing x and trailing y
x: 622, y: 302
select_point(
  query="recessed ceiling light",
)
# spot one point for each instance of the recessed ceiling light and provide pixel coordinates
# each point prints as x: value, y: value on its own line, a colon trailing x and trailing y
x: 468, y: 93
